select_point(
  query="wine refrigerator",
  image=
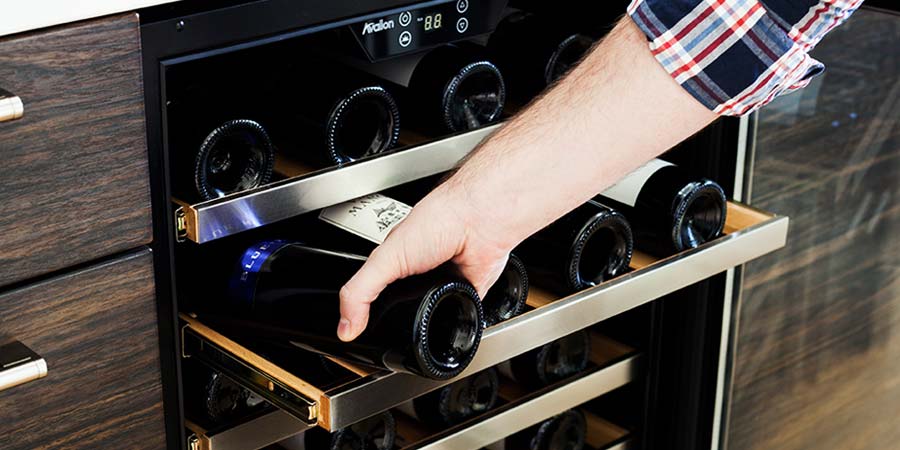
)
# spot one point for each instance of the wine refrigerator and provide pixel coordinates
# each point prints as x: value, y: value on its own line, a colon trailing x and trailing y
x: 288, y: 137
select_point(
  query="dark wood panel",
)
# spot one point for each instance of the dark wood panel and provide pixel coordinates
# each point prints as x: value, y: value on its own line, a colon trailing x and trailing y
x: 74, y: 184
x: 96, y: 328
x: 818, y: 350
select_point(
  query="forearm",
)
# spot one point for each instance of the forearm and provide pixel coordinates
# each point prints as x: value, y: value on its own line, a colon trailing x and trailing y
x: 615, y: 111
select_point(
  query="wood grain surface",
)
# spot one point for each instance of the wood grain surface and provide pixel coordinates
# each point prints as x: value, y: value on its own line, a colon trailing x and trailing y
x: 818, y: 350
x: 74, y: 184
x: 96, y: 328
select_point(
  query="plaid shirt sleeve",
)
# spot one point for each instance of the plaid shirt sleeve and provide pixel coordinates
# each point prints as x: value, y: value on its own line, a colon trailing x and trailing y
x: 735, y: 56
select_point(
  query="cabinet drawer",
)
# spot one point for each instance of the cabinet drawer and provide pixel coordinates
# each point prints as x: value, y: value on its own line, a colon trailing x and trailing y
x: 748, y: 234
x: 75, y: 184
x: 96, y: 330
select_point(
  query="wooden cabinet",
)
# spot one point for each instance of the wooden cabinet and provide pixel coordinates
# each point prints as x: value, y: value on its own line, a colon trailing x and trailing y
x: 74, y: 185
x: 77, y: 279
x: 96, y: 328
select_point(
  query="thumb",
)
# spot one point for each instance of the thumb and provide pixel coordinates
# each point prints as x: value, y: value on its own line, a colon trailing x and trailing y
x: 379, y: 270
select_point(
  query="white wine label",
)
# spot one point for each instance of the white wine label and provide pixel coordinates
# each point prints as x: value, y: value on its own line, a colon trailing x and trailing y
x: 371, y: 217
x: 627, y: 189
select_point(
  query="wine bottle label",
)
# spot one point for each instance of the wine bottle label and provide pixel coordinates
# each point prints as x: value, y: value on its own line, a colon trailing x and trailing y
x: 627, y: 189
x: 371, y: 217
x: 243, y: 282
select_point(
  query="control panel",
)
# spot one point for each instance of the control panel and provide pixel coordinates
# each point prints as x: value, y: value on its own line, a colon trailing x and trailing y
x: 425, y: 25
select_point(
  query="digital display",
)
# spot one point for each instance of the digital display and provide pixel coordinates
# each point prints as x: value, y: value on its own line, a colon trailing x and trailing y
x: 411, y: 29
x: 433, y: 21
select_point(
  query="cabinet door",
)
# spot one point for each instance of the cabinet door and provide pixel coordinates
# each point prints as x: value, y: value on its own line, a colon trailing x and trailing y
x: 818, y: 354
x: 74, y: 185
x: 96, y: 329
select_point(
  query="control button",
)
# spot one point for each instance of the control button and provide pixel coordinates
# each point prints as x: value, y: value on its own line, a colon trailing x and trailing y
x: 405, y: 39
x: 462, y: 25
x: 406, y: 18
x: 462, y: 6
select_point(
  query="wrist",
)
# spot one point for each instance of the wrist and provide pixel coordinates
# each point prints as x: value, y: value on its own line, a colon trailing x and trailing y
x: 484, y: 216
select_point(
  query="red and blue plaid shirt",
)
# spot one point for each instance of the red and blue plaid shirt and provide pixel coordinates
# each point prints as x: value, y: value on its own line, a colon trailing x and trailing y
x: 735, y: 56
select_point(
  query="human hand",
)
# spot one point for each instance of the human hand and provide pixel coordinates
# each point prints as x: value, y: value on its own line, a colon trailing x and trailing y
x: 440, y: 228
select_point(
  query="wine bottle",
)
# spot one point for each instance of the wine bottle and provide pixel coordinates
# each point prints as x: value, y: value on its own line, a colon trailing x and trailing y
x: 563, y: 431
x: 551, y: 362
x: 235, y: 156
x: 670, y: 210
x: 451, y: 88
x: 339, y: 114
x: 368, y: 220
x: 428, y: 324
x: 212, y: 395
x: 456, y: 402
x: 375, y: 433
x: 463, y: 89
x: 587, y: 246
x: 534, y: 52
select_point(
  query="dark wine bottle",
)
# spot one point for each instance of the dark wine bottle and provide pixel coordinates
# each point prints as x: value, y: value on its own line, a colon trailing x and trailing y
x: 450, y: 88
x: 366, y: 222
x: 551, y: 362
x: 564, y: 431
x: 375, y: 433
x: 458, y: 88
x: 506, y: 298
x: 534, y: 52
x: 236, y: 156
x: 670, y: 210
x: 456, y: 402
x: 339, y: 115
x: 213, y: 396
x: 587, y: 246
x: 428, y: 324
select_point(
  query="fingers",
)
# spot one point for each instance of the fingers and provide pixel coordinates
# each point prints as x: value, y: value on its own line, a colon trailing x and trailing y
x: 482, y: 275
x: 379, y: 270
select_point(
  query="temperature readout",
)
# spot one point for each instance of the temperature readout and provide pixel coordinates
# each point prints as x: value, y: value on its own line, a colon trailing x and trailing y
x: 432, y: 21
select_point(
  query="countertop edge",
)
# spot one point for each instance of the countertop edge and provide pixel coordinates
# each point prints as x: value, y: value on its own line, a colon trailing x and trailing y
x: 35, y: 14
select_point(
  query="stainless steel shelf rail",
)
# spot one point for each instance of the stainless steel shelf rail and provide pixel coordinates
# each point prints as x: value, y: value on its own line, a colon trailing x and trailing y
x: 214, y: 219
x: 532, y: 411
x: 755, y: 234
x: 277, y: 425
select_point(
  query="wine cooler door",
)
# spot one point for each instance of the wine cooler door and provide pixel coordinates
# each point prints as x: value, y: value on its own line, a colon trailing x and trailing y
x: 749, y: 233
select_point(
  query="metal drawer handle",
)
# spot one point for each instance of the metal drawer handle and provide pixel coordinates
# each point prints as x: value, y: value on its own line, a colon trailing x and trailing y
x: 11, y: 106
x: 19, y: 364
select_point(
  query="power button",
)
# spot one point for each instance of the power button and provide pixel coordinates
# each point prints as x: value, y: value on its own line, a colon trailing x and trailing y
x: 405, y: 18
x: 462, y: 6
